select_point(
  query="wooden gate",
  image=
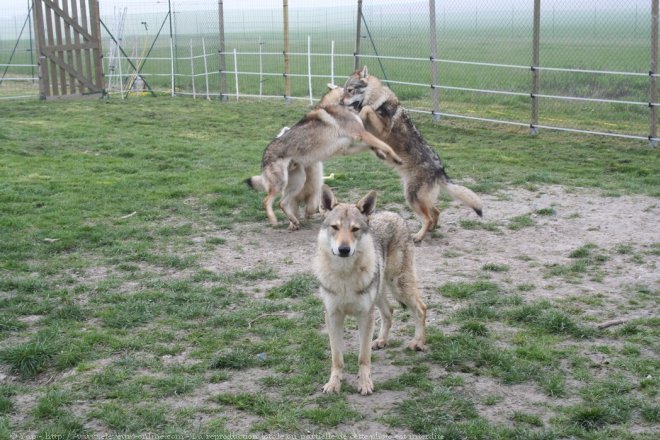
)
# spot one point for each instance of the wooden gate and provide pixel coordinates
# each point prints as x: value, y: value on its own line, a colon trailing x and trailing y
x: 68, y: 38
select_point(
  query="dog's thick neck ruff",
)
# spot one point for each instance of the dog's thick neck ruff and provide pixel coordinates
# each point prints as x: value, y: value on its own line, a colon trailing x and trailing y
x: 356, y: 274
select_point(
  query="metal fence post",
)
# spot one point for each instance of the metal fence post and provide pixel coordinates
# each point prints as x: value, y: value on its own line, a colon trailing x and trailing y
x: 223, y: 60
x: 287, y: 78
x: 172, y: 77
x: 434, y: 65
x: 653, y: 86
x: 536, y: 42
x: 358, y: 35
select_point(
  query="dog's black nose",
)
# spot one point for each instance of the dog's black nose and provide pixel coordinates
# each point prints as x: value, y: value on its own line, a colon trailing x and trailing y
x: 344, y: 251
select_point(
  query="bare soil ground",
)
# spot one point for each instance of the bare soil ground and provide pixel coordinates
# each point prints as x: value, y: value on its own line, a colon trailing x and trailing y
x: 624, y: 229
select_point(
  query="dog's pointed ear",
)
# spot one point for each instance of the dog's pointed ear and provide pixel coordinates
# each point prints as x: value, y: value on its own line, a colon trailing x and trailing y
x: 328, y: 200
x: 364, y: 73
x: 331, y: 86
x: 368, y: 203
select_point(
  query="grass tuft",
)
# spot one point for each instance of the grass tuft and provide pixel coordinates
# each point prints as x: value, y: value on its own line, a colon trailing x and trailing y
x: 31, y: 358
x: 462, y: 290
x: 298, y: 286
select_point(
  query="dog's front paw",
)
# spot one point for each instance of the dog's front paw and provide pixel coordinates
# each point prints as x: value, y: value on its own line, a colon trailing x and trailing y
x: 417, y: 345
x: 379, y: 343
x: 365, y: 385
x: 333, y: 386
x: 396, y: 159
x: 364, y: 112
x: 294, y: 226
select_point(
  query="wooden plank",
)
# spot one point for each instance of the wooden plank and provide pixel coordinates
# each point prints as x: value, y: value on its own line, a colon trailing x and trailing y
x: 97, y: 52
x: 84, y: 16
x: 73, y: 46
x: 52, y: 66
x: 69, y: 52
x: 44, y: 83
x: 79, y: 54
x: 57, y: 25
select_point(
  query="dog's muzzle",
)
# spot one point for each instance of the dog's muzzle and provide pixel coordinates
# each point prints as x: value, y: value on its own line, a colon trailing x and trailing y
x: 344, y: 251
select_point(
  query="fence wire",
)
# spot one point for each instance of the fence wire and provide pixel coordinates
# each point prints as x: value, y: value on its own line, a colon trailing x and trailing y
x: 596, y: 68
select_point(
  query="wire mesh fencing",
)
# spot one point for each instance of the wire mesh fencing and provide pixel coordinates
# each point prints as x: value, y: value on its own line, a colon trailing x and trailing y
x: 580, y: 65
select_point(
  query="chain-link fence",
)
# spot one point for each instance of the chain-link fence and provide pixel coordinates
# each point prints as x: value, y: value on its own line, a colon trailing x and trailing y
x: 580, y: 65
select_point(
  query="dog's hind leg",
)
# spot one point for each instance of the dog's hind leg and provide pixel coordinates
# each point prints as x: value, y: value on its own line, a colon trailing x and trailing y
x: 268, y: 205
x: 406, y: 291
x: 385, y: 322
x: 313, y: 184
x: 422, y: 199
x: 294, y: 185
x: 425, y: 213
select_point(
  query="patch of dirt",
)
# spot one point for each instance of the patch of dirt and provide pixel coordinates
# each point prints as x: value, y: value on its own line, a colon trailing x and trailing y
x: 459, y: 253
x: 562, y: 221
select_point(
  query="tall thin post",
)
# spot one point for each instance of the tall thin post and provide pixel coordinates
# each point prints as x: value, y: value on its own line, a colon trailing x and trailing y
x: 358, y: 35
x: 192, y: 69
x: 30, y: 29
x: 44, y: 83
x: 536, y: 43
x: 309, y: 68
x: 223, y: 60
x: 261, y: 68
x: 206, y: 70
x: 653, y: 86
x: 236, y: 73
x: 287, y: 78
x: 121, y: 77
x: 332, y: 62
x: 434, y: 64
x: 169, y: 6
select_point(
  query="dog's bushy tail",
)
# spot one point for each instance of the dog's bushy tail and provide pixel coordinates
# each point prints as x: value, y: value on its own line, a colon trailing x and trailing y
x: 466, y: 196
x: 256, y: 183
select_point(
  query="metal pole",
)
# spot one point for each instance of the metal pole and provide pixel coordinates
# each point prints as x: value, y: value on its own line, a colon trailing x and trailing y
x: 206, y: 70
x: 192, y: 69
x: 653, y: 86
x: 309, y: 68
x: 223, y: 60
x: 332, y: 62
x: 434, y: 65
x: 358, y: 36
x: 261, y: 68
x: 30, y: 29
x: 236, y: 73
x: 169, y: 8
x: 287, y: 79
x: 535, y: 64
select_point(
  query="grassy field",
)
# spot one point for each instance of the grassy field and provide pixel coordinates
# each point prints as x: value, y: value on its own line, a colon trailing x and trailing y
x: 112, y: 321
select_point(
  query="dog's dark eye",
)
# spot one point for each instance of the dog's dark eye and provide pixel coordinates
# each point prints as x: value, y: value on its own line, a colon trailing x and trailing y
x: 335, y: 227
x: 355, y: 229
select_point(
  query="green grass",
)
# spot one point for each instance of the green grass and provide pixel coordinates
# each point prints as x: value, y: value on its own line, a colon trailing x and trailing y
x: 118, y: 323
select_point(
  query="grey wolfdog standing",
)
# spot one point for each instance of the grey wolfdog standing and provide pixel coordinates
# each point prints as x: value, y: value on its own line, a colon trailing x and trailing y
x: 359, y: 254
x: 422, y: 172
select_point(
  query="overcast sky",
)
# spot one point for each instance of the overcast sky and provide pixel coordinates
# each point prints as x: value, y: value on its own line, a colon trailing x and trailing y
x: 9, y: 8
